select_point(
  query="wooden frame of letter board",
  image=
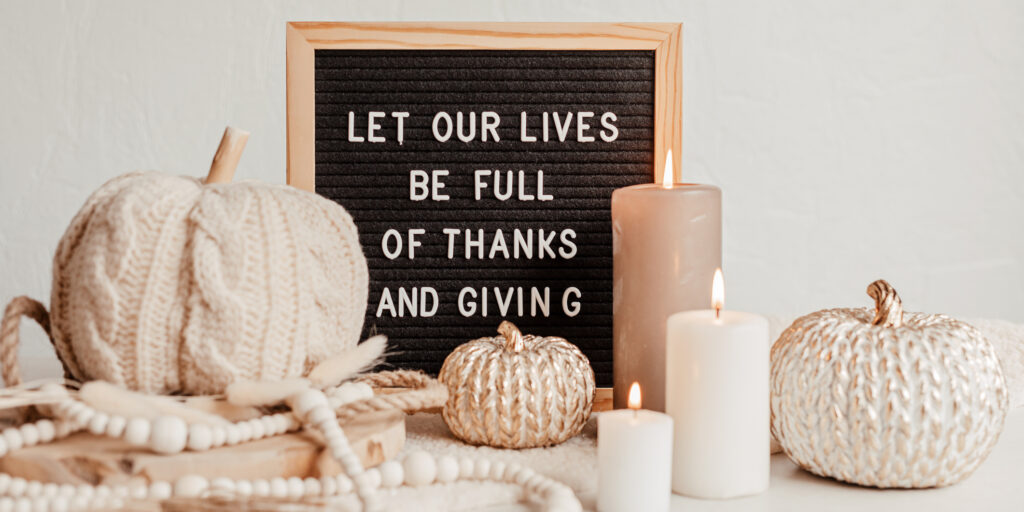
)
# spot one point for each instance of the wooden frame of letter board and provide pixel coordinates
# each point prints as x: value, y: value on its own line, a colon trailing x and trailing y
x: 304, y: 38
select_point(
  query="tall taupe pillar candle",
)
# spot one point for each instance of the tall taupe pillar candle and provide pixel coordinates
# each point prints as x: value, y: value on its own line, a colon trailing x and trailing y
x: 667, y: 245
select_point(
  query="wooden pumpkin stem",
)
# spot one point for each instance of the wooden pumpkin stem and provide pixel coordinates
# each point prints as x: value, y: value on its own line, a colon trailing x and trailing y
x: 888, y: 306
x: 222, y: 169
x: 513, y: 338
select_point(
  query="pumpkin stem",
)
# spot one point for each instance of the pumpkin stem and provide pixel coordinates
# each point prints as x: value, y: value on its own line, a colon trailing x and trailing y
x: 888, y: 306
x: 222, y: 169
x: 513, y: 338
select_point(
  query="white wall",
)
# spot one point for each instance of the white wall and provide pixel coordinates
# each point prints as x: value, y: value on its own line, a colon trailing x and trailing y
x: 853, y: 140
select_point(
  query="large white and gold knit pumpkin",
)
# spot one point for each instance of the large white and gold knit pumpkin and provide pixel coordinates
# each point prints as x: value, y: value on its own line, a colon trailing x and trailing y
x: 516, y: 391
x: 165, y: 284
x: 886, y: 399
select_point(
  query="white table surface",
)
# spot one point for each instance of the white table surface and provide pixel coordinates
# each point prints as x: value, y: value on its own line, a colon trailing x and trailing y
x: 998, y: 485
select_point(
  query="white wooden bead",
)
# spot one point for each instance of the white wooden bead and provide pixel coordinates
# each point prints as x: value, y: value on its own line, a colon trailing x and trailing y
x: 50, y: 490
x: 46, y: 430
x: 66, y: 490
x: 347, y: 395
x: 83, y: 416
x: 190, y: 486
x: 271, y: 425
x: 63, y: 429
x: 73, y: 408
x: 116, y: 426
x: 328, y: 486
x: 391, y: 474
x: 244, y: 432
x: 102, y: 490
x: 137, y: 431
x: 564, y: 503
x: 169, y: 435
x: 222, y: 485
x: 60, y: 504
x: 259, y: 431
x: 80, y: 502
x: 13, y: 438
x: 534, y: 481
x: 232, y: 435
x: 349, y: 461
x: 278, y: 487
x: 344, y: 484
x: 120, y: 491
x: 511, y: 471
x: 483, y: 469
x: 447, y: 469
x: 288, y: 423
x: 312, y: 486
x: 523, y: 475
x: 321, y: 415
x: 260, y: 488
x: 22, y: 505
x: 3, y: 446
x: 138, y: 491
x: 200, y: 437
x: 466, y: 468
x: 160, y: 490
x: 85, y: 490
x: 33, y: 488
x: 98, y: 423
x: 420, y: 468
x: 243, y: 488
x: 296, y: 487
x: 5, y: 483
x: 497, y: 472
x: 17, y: 487
x: 29, y: 434
x: 218, y: 436
x: 306, y: 401
x: 369, y: 479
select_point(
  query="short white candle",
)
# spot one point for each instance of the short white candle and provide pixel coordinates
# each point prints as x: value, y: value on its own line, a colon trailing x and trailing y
x: 634, y: 458
x: 717, y: 365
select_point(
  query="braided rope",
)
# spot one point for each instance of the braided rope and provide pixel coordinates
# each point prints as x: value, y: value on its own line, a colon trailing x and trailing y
x: 424, y: 393
x: 9, y: 335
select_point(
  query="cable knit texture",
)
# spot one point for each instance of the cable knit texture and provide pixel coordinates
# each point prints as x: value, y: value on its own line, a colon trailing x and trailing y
x: 163, y: 284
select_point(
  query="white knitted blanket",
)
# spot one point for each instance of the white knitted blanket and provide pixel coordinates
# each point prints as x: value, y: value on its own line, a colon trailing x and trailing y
x: 575, y: 461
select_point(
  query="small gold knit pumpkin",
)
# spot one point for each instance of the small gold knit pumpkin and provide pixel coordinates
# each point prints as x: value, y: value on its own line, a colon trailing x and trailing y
x: 886, y: 399
x: 516, y: 391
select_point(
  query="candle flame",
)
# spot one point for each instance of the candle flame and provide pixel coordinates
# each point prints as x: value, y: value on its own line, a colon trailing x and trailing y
x: 718, y: 292
x: 634, y: 396
x: 667, y: 175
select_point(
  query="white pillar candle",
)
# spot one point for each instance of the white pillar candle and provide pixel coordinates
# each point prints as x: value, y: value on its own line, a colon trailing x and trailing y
x: 717, y: 365
x: 634, y: 458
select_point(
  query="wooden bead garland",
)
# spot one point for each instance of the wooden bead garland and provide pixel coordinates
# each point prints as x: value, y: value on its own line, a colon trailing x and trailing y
x: 314, y: 408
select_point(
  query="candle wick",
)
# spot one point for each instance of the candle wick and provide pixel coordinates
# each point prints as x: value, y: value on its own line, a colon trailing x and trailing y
x: 718, y: 312
x: 634, y: 414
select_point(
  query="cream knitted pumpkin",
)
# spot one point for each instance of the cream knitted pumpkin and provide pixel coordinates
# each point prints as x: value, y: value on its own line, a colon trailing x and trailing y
x: 164, y: 284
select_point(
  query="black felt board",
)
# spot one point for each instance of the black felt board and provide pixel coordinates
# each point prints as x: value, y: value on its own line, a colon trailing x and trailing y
x: 371, y: 180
